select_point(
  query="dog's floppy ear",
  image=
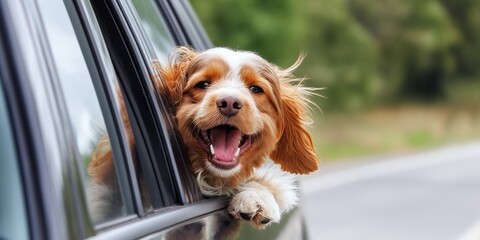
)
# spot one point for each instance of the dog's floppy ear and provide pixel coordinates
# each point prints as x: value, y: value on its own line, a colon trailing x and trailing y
x: 172, y: 77
x: 294, y: 151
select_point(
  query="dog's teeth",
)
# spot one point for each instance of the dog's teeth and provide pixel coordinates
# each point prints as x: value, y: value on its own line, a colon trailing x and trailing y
x: 212, y: 151
x: 205, y: 135
x: 237, y: 153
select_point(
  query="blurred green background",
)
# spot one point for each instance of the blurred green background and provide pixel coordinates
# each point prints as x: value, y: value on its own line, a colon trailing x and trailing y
x: 400, y: 75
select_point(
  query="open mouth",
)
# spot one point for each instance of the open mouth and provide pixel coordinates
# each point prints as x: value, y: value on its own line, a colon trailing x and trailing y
x: 224, y: 144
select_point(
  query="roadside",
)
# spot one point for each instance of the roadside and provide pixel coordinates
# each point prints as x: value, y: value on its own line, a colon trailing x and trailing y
x: 347, y: 171
x: 393, y: 130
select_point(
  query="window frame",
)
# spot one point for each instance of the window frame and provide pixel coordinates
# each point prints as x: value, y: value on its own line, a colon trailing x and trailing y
x: 130, y: 71
x: 107, y: 96
x: 186, y: 183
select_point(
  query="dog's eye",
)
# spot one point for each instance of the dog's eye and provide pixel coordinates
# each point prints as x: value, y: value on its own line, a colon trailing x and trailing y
x: 202, y: 85
x: 256, y: 89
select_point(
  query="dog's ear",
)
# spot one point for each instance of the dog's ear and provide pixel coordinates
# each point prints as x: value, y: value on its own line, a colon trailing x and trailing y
x: 171, y: 78
x: 294, y: 151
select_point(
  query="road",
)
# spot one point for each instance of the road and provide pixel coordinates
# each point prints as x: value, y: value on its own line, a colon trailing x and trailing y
x: 433, y: 195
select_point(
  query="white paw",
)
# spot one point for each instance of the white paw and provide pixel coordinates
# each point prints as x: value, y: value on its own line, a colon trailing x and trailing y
x: 255, y: 204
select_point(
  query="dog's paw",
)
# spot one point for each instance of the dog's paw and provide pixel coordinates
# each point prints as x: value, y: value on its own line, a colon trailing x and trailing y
x: 256, y: 205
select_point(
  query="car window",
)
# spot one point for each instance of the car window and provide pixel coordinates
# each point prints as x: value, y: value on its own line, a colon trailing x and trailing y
x: 156, y: 29
x: 88, y: 112
x: 13, y: 217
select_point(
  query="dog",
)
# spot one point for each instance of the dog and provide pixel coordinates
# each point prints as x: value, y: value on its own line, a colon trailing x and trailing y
x: 243, y: 121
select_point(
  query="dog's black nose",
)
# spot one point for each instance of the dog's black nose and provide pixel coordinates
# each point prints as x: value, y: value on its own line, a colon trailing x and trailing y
x: 229, y: 105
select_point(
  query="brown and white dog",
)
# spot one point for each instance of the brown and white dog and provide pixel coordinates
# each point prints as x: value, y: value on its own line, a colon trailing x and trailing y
x: 243, y: 122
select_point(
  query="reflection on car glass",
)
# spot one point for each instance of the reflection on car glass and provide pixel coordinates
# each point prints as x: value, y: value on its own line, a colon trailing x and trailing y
x: 217, y: 226
x: 156, y: 29
x: 86, y: 115
x: 13, y: 217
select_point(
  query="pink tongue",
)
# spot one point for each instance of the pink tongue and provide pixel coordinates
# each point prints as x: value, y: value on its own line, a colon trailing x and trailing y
x: 225, y: 141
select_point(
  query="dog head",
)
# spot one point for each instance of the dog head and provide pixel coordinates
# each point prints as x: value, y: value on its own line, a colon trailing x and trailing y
x: 234, y: 109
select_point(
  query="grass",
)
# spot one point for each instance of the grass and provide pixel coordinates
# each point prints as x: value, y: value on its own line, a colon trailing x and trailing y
x: 398, y: 129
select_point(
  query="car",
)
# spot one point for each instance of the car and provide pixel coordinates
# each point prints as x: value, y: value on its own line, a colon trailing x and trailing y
x: 66, y: 68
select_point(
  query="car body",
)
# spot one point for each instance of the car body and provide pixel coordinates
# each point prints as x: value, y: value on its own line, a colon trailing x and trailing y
x: 65, y: 65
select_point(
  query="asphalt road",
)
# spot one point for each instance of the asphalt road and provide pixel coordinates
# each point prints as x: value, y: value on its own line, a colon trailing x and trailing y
x: 433, y: 195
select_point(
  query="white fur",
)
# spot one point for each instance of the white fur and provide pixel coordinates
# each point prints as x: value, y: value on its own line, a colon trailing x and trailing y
x: 104, y: 202
x: 222, y: 172
x: 209, y: 190
x: 235, y: 59
x: 253, y: 199
x: 270, y: 192
x: 283, y: 182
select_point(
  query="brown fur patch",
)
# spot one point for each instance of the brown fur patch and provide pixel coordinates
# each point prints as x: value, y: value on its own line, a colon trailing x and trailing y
x: 295, y: 151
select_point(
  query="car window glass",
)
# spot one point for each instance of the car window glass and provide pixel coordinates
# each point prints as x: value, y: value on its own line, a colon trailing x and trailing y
x: 86, y: 114
x: 158, y: 35
x: 188, y: 20
x: 156, y: 29
x: 145, y: 189
x: 13, y: 218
